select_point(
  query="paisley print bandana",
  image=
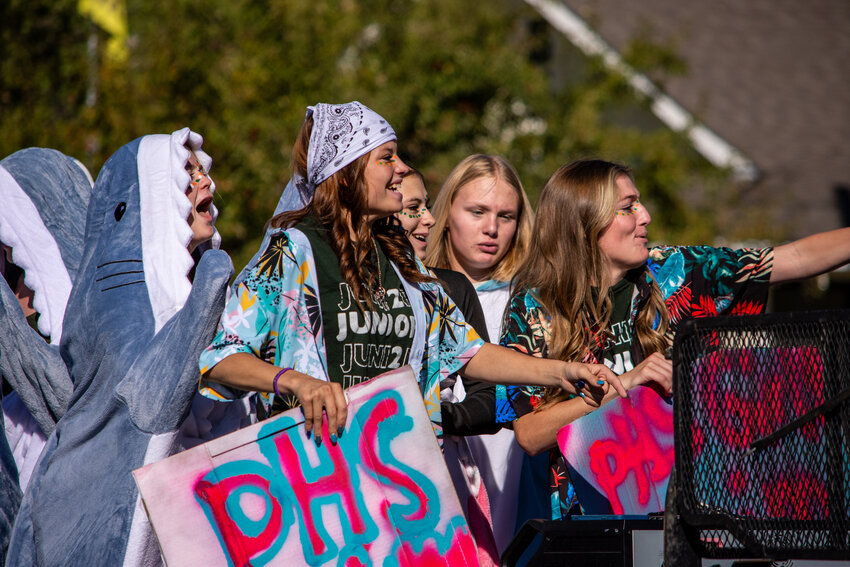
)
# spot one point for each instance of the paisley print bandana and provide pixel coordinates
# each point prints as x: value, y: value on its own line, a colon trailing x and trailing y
x: 341, y: 134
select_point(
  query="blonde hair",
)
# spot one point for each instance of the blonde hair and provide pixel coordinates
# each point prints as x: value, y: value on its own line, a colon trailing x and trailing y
x: 576, y: 205
x: 475, y: 167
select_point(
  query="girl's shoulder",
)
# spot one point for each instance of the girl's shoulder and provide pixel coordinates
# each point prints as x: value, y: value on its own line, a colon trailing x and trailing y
x: 659, y: 254
x: 290, y: 240
x: 525, y: 300
x: 285, y: 249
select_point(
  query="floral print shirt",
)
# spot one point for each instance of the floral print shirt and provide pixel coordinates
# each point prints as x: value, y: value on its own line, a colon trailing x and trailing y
x: 695, y: 281
x: 275, y: 314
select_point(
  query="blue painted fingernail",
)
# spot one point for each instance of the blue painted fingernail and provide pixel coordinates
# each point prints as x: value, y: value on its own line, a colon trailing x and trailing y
x: 333, y: 438
x: 581, y: 394
x: 339, y: 430
x: 601, y: 382
x: 318, y: 440
x: 308, y: 432
x: 580, y: 384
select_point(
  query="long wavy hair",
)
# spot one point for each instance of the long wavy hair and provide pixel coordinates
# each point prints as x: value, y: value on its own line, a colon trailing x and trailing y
x: 471, y: 168
x: 568, y: 272
x: 341, y: 203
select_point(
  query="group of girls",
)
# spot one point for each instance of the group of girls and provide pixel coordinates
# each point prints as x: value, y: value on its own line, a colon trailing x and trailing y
x: 354, y: 240
x: 342, y: 251
x: 578, y: 284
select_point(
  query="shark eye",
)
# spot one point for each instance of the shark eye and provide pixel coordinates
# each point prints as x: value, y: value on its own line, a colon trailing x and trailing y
x: 119, y: 211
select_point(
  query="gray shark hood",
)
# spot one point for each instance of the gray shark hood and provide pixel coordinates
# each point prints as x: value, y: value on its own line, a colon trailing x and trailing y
x: 134, y: 328
x: 154, y: 236
x: 45, y: 195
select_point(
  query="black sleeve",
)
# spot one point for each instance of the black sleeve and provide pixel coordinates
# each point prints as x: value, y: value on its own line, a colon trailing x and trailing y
x: 476, y: 414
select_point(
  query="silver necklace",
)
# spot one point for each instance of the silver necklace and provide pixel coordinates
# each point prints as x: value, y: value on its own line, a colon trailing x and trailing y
x: 379, y: 294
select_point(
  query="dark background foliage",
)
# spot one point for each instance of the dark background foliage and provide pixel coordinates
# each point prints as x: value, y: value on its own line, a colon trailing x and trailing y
x: 453, y: 78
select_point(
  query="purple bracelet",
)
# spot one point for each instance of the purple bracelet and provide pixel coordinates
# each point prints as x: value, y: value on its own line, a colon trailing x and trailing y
x: 277, y: 377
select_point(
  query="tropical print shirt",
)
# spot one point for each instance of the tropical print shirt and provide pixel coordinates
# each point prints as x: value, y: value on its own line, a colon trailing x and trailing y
x: 695, y: 281
x: 275, y: 314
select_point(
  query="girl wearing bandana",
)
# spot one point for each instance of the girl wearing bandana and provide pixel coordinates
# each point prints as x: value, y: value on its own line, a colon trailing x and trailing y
x: 336, y: 295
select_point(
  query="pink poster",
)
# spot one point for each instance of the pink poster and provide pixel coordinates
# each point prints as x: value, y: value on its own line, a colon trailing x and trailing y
x: 620, y: 456
x: 743, y: 395
x: 266, y: 495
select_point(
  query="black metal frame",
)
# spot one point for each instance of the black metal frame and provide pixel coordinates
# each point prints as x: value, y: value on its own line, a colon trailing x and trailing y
x: 598, y: 541
x: 779, y: 384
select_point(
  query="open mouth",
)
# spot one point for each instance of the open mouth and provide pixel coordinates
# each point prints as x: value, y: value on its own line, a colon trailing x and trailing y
x: 420, y: 237
x: 204, y: 206
x: 395, y: 187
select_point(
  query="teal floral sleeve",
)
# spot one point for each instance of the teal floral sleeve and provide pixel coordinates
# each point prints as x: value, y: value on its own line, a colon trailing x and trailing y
x: 272, y: 315
x: 525, y: 329
x: 703, y: 281
x: 451, y: 342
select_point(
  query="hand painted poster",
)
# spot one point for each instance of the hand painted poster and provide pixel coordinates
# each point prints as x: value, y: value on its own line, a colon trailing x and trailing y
x: 266, y: 495
x: 743, y: 395
x: 619, y: 456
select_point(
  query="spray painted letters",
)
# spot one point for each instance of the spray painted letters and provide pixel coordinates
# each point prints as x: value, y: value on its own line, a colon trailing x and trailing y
x: 267, y: 496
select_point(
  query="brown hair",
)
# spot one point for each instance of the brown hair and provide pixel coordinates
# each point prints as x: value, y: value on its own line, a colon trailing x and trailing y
x: 340, y: 203
x: 576, y: 205
x: 413, y: 171
x: 467, y: 171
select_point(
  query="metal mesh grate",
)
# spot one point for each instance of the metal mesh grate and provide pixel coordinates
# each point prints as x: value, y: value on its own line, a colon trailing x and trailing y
x: 751, y: 477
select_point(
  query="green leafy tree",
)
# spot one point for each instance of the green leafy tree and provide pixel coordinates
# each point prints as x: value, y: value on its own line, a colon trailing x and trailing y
x: 453, y: 78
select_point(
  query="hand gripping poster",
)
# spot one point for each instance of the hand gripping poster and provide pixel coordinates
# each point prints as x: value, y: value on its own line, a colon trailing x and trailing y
x: 266, y: 495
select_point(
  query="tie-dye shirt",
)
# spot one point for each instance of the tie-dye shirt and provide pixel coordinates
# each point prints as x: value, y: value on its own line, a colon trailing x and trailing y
x: 695, y: 281
x: 275, y: 314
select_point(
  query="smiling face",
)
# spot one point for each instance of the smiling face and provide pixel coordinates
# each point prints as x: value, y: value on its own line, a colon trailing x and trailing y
x: 624, y: 241
x: 199, y: 194
x: 482, y: 223
x: 416, y: 219
x: 383, y: 175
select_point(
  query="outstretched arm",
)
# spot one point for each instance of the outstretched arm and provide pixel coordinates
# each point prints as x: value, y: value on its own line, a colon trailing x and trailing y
x: 500, y: 365
x: 811, y: 256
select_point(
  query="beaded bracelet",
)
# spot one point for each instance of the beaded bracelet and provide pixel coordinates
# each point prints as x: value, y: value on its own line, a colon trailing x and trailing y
x: 277, y: 377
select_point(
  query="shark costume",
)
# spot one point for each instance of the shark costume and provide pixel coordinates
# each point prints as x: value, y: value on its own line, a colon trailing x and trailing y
x: 134, y: 328
x: 45, y: 195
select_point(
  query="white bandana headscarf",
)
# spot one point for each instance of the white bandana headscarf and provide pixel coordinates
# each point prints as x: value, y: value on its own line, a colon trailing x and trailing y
x: 341, y: 134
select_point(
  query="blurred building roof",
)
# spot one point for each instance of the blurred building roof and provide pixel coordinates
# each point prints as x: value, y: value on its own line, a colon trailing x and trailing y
x: 772, y: 78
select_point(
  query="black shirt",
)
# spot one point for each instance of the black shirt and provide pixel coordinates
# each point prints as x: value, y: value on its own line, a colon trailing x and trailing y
x: 360, y: 342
